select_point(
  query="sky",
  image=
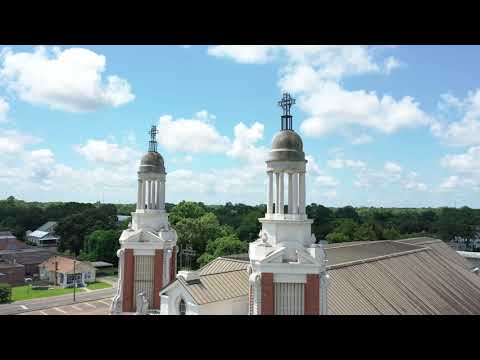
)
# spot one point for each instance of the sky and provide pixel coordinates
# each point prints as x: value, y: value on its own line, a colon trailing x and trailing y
x: 390, y: 126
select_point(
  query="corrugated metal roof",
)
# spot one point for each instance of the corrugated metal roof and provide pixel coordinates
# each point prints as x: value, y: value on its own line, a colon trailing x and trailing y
x: 434, y: 281
x: 411, y: 276
x: 48, y: 226
x: 221, y: 279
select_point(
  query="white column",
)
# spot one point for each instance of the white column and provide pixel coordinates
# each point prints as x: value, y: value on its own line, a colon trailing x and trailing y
x: 290, y: 193
x: 159, y: 194
x: 147, y: 194
x: 301, y: 201
x: 277, y: 193
x: 270, y: 192
x: 152, y: 189
x: 155, y: 194
x: 295, y: 194
x: 139, y: 194
x: 142, y: 195
x: 282, y: 192
x: 162, y: 194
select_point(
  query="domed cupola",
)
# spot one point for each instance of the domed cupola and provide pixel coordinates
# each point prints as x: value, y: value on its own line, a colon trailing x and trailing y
x: 287, y: 145
x: 152, y: 162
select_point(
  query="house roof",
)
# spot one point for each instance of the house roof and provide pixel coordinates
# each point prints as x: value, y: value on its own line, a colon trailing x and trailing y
x: 65, y: 264
x: 26, y: 256
x: 410, y: 276
x: 38, y: 234
x: 221, y: 279
x: 48, y: 226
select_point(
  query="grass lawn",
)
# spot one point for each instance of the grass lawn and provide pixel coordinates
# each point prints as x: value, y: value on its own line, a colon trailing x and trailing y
x: 98, y: 285
x: 26, y: 293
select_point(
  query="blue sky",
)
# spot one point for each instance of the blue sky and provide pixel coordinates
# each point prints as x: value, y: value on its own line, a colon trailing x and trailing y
x: 382, y: 126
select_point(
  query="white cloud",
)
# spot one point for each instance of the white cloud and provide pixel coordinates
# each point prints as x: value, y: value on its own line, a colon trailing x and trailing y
x: 69, y: 79
x: 463, y: 132
x: 314, y: 72
x: 326, y: 181
x: 13, y: 142
x: 339, y: 162
x: 390, y: 64
x: 243, y: 146
x: 195, y: 135
x: 392, y: 167
x: 246, y: 54
x: 101, y: 151
x: 334, y: 108
x: 4, y: 108
x: 312, y: 166
x: 468, y: 162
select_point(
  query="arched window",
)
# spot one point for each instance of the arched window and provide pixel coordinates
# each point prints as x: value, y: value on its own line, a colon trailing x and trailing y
x: 182, y: 307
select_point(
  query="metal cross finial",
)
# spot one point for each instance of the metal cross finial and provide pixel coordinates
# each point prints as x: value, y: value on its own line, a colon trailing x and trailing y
x: 152, y: 147
x: 286, y: 103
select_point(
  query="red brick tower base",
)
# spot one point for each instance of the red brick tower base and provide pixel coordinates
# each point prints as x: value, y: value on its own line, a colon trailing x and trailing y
x: 158, y: 277
x: 312, y: 295
x: 268, y: 294
x: 128, y: 276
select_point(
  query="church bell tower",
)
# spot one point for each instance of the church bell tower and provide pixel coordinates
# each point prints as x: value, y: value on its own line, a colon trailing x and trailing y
x: 147, y: 256
x: 288, y: 275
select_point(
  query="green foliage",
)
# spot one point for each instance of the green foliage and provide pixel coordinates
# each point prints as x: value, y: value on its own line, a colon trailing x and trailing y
x: 102, y: 245
x: 336, y: 237
x: 74, y: 228
x: 186, y: 210
x: 364, y: 232
x: 5, y: 293
x: 225, y: 245
x: 391, y: 234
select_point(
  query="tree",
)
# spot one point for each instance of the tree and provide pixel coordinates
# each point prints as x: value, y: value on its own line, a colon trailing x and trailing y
x: 102, y: 245
x: 347, y: 212
x: 336, y: 237
x: 225, y: 245
x: 391, y: 234
x: 74, y: 228
x: 364, y: 232
x: 186, y: 210
x: 5, y: 293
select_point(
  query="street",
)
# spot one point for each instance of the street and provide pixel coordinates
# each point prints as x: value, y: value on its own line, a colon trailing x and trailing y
x: 27, y: 306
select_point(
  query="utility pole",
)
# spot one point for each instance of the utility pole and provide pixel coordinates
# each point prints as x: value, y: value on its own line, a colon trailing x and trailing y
x: 74, y: 276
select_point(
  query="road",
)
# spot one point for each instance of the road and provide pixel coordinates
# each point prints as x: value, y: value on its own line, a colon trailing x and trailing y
x: 25, y: 306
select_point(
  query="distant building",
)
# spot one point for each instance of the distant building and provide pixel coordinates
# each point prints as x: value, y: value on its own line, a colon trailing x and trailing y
x: 45, y: 235
x: 12, y: 273
x: 15, y: 251
x: 8, y: 241
x: 472, y: 257
x: 62, y: 271
x: 122, y: 218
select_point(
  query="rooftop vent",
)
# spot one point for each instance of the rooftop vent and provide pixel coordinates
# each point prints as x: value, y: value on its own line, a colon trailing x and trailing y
x: 191, y: 277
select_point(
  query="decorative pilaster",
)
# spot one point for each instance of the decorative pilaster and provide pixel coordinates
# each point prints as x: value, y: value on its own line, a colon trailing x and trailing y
x: 162, y: 194
x: 268, y: 294
x: 158, y: 277
x: 173, y: 265
x: 128, y: 278
x: 312, y: 295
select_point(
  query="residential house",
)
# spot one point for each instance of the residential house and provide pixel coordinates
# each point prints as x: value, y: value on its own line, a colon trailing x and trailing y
x: 64, y: 271
x: 45, y: 235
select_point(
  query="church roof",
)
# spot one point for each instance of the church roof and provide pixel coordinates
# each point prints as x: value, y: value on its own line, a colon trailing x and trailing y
x: 220, y: 280
x: 433, y: 280
x: 410, y: 276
